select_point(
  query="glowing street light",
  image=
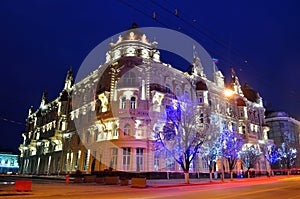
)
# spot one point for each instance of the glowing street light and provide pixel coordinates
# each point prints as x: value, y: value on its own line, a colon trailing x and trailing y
x: 228, y: 92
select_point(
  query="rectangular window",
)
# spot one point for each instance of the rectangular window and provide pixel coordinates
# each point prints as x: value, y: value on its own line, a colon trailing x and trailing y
x: 200, y: 100
x: 115, y: 131
x: 100, y: 162
x: 89, y: 116
x: 87, y: 137
x: 77, y: 159
x: 170, y: 164
x: 156, y: 162
x: 86, y: 160
x: 95, y: 136
x: 201, y: 118
x: 244, y: 129
x: 139, y: 159
x: 114, y: 158
x: 126, y: 158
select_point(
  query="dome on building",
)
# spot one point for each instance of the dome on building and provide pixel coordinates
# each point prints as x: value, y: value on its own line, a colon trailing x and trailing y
x: 270, y: 114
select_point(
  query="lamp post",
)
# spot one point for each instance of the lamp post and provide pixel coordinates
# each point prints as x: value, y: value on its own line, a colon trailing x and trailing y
x: 222, y: 166
x: 228, y: 93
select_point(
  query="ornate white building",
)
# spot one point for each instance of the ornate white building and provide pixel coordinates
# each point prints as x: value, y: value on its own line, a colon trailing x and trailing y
x: 106, y: 120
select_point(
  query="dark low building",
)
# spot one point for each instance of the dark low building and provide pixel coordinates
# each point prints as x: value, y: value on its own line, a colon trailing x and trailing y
x: 284, y: 129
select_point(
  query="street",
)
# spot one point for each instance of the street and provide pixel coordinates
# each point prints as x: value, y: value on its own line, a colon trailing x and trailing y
x: 282, y: 187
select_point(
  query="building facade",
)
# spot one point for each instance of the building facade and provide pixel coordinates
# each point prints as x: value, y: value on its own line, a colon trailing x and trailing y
x: 284, y: 129
x: 9, y: 163
x: 106, y: 120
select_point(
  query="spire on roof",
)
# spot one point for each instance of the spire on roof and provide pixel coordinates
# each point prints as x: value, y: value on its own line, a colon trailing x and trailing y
x: 44, y: 100
x: 69, y: 79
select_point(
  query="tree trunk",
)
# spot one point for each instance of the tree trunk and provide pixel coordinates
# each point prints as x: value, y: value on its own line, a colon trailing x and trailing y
x: 231, y: 175
x: 248, y: 173
x: 187, y: 177
x: 210, y: 176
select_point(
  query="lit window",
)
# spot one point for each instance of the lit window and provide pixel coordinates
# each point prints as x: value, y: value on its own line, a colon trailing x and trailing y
x: 140, y: 131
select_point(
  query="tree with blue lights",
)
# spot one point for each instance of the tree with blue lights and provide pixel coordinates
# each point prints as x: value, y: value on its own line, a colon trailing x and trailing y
x: 181, y: 134
x: 271, y: 154
x: 250, y: 157
x: 211, y: 149
x: 287, y: 155
x: 232, y: 143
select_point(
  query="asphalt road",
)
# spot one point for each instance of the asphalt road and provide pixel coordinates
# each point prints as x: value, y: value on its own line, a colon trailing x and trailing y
x: 283, y: 188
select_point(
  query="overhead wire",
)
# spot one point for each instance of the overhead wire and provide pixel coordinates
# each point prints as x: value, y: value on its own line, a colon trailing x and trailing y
x: 207, y: 48
x: 11, y: 121
x: 240, y: 66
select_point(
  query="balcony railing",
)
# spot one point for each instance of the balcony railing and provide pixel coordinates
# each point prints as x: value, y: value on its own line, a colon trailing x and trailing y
x: 123, y: 113
x: 250, y: 137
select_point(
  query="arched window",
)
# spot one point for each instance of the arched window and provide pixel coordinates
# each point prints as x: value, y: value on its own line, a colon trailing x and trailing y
x: 133, y: 103
x: 127, y: 129
x: 123, y: 103
x: 129, y: 79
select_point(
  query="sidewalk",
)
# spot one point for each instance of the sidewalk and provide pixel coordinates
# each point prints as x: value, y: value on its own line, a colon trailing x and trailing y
x: 206, y: 181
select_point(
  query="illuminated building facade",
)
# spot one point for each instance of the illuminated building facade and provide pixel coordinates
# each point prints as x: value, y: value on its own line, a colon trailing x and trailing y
x: 9, y: 163
x: 105, y: 121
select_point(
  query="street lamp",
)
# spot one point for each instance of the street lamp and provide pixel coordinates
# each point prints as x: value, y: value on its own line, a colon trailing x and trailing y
x: 228, y: 93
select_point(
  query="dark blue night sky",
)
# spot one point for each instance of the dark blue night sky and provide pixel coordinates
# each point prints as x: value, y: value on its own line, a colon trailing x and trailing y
x: 39, y: 40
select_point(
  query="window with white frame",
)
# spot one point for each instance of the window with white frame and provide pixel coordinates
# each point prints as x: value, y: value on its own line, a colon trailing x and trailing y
x: 140, y: 130
x: 133, y: 102
x: 115, y: 130
x: 170, y: 164
x: 139, y: 159
x: 123, y: 103
x: 126, y: 158
x: 127, y: 129
x: 114, y: 158
x: 156, y: 162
